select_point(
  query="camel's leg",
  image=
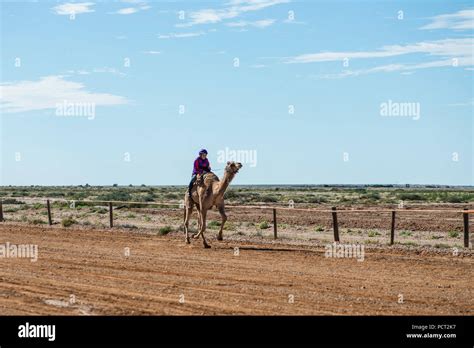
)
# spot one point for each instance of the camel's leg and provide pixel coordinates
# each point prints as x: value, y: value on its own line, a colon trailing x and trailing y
x: 198, y: 206
x: 203, y: 228
x: 198, y: 221
x: 189, y: 209
x: 224, y: 219
x: 199, y: 217
x: 198, y: 234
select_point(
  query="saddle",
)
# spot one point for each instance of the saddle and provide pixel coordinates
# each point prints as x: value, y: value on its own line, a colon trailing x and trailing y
x: 200, y: 179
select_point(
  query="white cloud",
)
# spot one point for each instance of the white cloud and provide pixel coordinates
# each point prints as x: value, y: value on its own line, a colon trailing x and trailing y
x: 405, y: 69
x: 233, y: 9
x: 128, y: 10
x: 461, y: 20
x: 140, y: 5
x: 180, y: 35
x: 46, y: 93
x: 152, y: 52
x: 446, y: 48
x: 68, y: 9
x: 449, y: 53
x: 109, y: 70
x: 258, y: 24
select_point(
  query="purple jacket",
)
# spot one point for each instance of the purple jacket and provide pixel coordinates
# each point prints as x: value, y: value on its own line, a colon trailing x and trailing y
x: 201, y: 165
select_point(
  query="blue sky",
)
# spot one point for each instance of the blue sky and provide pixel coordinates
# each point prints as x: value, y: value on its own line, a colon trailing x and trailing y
x: 237, y: 68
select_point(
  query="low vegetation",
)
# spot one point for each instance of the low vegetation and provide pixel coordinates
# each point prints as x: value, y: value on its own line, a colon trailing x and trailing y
x: 282, y: 195
x: 68, y: 221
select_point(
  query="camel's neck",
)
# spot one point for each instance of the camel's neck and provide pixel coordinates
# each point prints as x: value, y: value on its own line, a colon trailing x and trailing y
x: 225, y: 183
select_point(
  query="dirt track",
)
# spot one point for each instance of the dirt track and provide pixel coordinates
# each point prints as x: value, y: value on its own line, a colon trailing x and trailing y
x: 91, y: 265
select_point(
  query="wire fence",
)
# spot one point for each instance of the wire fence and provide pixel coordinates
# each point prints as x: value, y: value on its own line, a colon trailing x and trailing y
x: 464, y: 213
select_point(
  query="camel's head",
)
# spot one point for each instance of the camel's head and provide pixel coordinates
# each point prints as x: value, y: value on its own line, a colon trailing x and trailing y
x: 233, y: 167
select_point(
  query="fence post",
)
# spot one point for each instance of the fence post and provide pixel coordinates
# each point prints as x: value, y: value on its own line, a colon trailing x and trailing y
x: 274, y: 223
x: 50, y: 220
x: 335, y: 225
x: 1, y: 211
x: 466, y: 228
x: 111, y: 215
x: 392, y: 230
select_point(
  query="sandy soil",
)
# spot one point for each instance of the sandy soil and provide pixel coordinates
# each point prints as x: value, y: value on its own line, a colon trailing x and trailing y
x: 162, y: 275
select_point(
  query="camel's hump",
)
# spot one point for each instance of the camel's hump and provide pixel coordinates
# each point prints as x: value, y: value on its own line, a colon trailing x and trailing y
x: 211, y: 177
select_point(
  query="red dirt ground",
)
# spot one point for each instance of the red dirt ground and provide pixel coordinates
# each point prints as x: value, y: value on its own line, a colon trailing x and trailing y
x: 262, y: 279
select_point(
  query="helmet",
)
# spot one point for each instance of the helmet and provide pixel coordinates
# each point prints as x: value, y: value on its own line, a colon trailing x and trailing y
x: 203, y: 151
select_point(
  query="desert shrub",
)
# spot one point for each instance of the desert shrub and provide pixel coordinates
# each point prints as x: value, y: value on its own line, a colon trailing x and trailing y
x: 317, y: 199
x: 264, y: 225
x: 213, y: 224
x: 119, y: 195
x: 269, y: 199
x: 148, y: 197
x: 408, y: 196
x: 11, y: 201
x: 231, y: 194
x: 373, y: 234
x: 165, y: 230
x: 37, y: 222
x: 20, y: 194
x: 77, y: 196
x: 371, y: 196
x: 172, y: 196
x: 459, y: 198
x: 66, y: 222
x: 453, y: 234
x: 230, y: 226
x: 52, y: 194
x: 99, y: 210
x: 441, y: 246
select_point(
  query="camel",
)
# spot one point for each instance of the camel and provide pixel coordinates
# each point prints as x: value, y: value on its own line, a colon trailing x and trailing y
x: 206, y: 195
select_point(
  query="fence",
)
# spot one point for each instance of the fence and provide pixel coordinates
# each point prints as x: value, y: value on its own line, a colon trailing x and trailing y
x: 334, y: 212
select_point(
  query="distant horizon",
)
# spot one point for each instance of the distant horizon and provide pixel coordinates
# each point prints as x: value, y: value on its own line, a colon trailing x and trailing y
x: 245, y: 185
